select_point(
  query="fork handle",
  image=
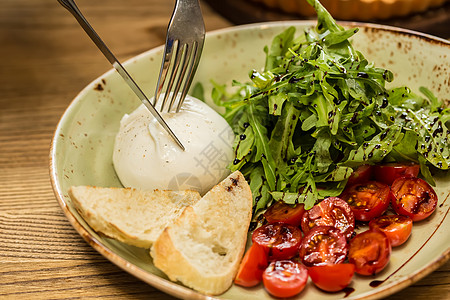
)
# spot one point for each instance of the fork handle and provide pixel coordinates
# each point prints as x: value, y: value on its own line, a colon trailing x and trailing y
x: 73, y: 9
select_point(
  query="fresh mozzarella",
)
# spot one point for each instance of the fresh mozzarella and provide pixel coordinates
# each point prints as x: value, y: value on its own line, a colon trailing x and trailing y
x: 146, y: 157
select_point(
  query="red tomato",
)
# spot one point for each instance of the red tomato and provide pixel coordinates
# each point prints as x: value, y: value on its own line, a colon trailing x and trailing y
x: 389, y: 172
x: 285, y: 213
x: 362, y: 174
x: 367, y: 200
x: 323, y: 245
x: 285, y: 278
x: 280, y: 240
x: 332, y: 211
x: 396, y: 227
x: 369, y: 251
x: 332, y: 278
x: 413, y: 197
x: 252, y: 266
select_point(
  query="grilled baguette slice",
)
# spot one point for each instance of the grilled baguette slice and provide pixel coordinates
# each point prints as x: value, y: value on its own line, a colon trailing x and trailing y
x: 203, y: 247
x: 132, y: 216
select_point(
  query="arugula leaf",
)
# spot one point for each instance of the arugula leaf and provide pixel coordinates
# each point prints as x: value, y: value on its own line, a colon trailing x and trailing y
x: 435, y: 102
x: 198, y: 92
x: 317, y: 110
x: 279, y: 48
x: 433, y: 136
x: 256, y: 114
x: 425, y: 171
x: 406, y: 148
x: 375, y: 149
x: 281, y: 140
x: 308, y: 196
x: 260, y: 190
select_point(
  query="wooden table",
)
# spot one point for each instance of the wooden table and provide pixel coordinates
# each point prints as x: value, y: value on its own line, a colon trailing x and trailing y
x: 46, y: 60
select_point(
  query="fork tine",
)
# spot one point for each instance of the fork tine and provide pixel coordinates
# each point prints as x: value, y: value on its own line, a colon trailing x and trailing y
x: 168, y: 51
x: 175, y: 64
x: 187, y: 54
x: 187, y: 29
x: 194, y: 60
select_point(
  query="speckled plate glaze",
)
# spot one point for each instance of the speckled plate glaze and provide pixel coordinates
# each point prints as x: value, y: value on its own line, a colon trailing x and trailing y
x: 81, y: 152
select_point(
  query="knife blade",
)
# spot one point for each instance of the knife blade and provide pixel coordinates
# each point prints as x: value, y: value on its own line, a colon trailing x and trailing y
x: 73, y: 9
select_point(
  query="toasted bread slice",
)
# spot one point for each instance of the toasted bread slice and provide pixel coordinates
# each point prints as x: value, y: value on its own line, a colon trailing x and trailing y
x: 204, y: 246
x: 129, y: 215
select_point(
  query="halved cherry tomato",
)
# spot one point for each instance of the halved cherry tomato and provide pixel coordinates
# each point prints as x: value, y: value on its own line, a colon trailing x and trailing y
x: 252, y: 267
x: 367, y: 200
x: 396, y: 227
x: 369, y: 251
x: 285, y: 213
x: 323, y: 245
x: 279, y: 240
x: 362, y: 174
x: 389, y: 172
x: 332, y: 211
x: 332, y: 278
x: 413, y: 197
x: 285, y: 278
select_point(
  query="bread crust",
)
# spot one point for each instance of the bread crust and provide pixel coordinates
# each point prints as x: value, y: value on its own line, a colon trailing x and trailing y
x: 199, y: 243
x: 129, y: 215
x: 217, y: 222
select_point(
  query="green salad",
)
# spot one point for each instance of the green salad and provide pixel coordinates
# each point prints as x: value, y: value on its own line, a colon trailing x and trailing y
x: 318, y: 110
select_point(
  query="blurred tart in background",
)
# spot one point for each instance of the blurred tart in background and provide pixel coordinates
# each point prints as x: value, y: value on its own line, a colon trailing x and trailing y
x: 359, y: 10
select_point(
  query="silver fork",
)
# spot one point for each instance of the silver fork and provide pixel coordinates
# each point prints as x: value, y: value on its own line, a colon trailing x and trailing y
x: 182, y: 51
x: 73, y: 9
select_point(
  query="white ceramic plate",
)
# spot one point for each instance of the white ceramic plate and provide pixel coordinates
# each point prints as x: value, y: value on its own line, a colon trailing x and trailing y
x: 81, y: 152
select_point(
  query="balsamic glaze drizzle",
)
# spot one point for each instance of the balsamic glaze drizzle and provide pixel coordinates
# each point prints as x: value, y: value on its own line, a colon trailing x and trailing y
x: 376, y: 283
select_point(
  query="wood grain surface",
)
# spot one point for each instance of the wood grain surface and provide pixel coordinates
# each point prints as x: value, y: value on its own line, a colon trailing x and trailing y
x: 46, y: 59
